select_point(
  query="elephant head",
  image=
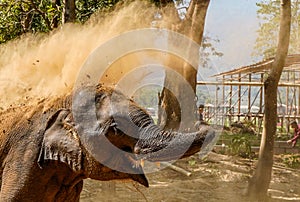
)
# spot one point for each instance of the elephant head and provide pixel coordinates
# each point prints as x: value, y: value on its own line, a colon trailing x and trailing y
x: 104, y: 133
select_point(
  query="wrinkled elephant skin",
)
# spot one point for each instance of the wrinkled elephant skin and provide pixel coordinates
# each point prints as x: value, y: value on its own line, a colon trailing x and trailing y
x: 44, y: 156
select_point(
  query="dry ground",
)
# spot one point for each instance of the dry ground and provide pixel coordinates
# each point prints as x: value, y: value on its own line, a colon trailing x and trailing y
x: 217, y: 178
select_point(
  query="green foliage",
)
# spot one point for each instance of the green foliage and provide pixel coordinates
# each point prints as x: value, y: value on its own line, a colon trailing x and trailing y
x: 241, y: 146
x: 192, y: 162
x: 292, y: 161
x: 86, y: 8
x: 269, y: 14
x: 238, y: 144
x: 227, y: 136
x: 9, y: 26
x: 19, y: 17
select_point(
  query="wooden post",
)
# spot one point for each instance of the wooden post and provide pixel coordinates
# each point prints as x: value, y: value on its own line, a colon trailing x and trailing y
x: 216, y: 113
x: 261, y: 103
x: 249, y: 98
x: 281, y: 118
x: 239, y: 97
x: 295, y: 111
x: 223, y: 116
x: 287, y: 104
x: 298, y: 111
x: 230, y: 103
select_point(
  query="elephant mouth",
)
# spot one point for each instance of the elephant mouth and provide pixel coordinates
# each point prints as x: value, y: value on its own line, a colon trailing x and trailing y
x: 126, y: 164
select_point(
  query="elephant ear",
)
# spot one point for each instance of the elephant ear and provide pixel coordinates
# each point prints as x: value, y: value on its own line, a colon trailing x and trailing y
x: 60, y: 142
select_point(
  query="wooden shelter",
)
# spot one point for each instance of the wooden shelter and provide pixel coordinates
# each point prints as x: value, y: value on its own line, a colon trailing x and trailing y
x: 240, y: 94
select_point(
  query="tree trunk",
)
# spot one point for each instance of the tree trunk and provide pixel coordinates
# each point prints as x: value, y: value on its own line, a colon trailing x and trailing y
x: 175, y: 89
x: 69, y: 11
x: 259, y: 183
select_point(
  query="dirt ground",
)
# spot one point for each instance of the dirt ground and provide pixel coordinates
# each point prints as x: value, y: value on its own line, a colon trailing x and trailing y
x: 216, y: 178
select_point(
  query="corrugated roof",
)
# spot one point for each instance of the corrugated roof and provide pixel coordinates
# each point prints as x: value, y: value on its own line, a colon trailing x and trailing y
x: 292, y: 63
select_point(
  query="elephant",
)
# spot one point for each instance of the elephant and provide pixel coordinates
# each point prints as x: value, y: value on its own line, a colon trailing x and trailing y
x: 45, y: 153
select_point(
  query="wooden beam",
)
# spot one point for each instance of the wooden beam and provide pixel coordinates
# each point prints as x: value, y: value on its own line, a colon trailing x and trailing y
x: 244, y: 83
x: 249, y: 94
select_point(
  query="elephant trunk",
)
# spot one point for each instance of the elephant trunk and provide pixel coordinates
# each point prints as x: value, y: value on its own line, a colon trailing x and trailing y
x: 155, y: 144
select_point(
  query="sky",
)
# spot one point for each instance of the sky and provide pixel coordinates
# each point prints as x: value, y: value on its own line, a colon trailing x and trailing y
x: 234, y: 23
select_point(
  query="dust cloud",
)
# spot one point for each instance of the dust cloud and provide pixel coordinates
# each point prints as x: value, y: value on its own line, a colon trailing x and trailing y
x: 41, y: 65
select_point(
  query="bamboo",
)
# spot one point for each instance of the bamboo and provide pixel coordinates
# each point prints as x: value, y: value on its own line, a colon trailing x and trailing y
x: 261, y: 103
x: 249, y: 96
x: 245, y: 83
x: 216, y: 104
x: 298, y: 103
x: 239, y: 95
x: 287, y: 102
x: 176, y: 168
x: 295, y: 111
x: 223, y: 101
x: 230, y: 103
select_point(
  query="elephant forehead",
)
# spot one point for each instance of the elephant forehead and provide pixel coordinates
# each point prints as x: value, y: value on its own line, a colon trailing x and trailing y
x: 103, y: 109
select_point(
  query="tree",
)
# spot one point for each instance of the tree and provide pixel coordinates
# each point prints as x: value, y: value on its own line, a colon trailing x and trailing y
x: 259, y: 183
x: 174, y: 88
x: 35, y: 16
x: 19, y: 17
x: 269, y: 14
x: 46, y: 15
